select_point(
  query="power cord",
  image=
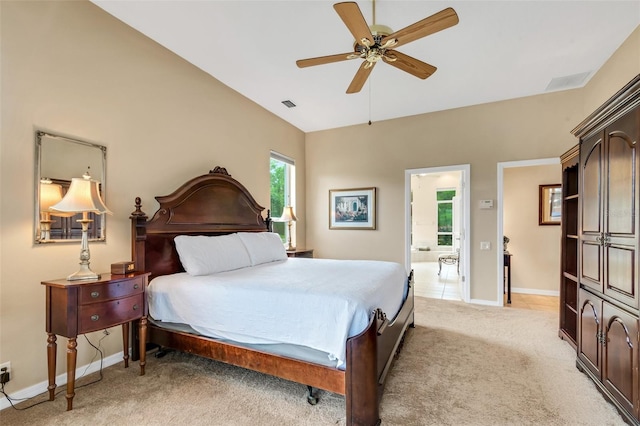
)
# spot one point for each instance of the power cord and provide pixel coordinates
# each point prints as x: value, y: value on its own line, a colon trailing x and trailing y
x: 98, y: 351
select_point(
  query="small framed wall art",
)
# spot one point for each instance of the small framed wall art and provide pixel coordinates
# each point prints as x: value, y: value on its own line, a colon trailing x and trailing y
x: 352, y: 208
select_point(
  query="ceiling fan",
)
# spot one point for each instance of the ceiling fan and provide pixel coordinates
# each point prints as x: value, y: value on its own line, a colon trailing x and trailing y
x: 377, y: 42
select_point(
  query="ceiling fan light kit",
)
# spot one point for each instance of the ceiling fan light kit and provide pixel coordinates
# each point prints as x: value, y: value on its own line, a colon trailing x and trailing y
x: 376, y: 42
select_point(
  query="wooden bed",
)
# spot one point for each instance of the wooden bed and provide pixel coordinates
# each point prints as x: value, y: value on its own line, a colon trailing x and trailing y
x: 217, y: 204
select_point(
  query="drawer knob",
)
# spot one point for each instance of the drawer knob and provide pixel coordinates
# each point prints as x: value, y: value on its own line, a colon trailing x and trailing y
x: 95, y: 294
x: 135, y: 286
x: 95, y: 317
x: 135, y: 307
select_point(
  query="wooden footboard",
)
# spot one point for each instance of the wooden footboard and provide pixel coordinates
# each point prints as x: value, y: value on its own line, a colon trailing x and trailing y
x: 369, y: 358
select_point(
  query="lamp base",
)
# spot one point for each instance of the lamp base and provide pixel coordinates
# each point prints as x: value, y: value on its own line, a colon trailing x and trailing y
x: 83, y: 274
x: 45, y: 230
x: 290, y: 246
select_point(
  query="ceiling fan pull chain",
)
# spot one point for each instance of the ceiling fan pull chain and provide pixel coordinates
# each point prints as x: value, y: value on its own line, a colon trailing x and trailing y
x: 370, y: 84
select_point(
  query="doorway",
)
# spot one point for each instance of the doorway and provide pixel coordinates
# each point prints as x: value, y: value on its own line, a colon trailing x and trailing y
x: 532, y: 250
x: 436, y: 218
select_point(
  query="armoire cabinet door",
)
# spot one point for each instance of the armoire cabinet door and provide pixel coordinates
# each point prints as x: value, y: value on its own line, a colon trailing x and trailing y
x: 589, y: 316
x: 621, y: 208
x: 591, y: 224
x: 620, y: 356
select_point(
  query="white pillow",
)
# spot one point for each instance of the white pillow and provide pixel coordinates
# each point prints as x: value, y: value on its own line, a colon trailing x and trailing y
x: 263, y: 247
x: 203, y: 255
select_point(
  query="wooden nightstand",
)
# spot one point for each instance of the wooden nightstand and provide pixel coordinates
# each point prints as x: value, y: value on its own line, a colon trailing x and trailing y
x: 300, y: 252
x: 78, y: 307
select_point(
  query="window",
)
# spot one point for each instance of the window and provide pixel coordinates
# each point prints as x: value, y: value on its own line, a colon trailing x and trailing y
x: 444, y: 198
x: 283, y: 172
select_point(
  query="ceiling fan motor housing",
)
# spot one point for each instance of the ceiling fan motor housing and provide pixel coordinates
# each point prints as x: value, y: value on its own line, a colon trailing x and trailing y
x: 378, y: 32
x: 374, y: 53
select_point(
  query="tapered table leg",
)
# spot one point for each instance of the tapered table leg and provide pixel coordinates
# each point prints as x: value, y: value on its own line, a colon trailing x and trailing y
x: 142, y: 336
x: 71, y: 371
x: 52, y: 347
x: 125, y: 343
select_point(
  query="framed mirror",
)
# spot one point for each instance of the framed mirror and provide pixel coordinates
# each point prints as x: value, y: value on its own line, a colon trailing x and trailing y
x: 58, y: 160
x: 549, y: 204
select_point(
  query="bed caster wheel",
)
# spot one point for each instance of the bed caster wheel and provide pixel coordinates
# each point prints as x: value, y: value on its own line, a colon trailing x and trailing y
x: 162, y: 352
x: 311, y: 398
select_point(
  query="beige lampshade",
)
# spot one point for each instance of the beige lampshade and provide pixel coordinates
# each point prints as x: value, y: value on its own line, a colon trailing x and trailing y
x: 288, y: 215
x: 83, y: 196
x: 51, y: 194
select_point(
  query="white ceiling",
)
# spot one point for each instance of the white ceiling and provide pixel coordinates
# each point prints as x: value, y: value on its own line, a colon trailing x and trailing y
x: 499, y: 50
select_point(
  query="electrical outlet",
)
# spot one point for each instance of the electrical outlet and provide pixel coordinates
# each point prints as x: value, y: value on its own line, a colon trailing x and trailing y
x: 5, y: 372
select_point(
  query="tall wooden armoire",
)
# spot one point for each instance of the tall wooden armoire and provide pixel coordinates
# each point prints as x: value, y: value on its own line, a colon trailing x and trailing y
x: 608, y: 236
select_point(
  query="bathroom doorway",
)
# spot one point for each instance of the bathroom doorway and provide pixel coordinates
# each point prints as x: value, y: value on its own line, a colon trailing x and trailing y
x: 437, y: 202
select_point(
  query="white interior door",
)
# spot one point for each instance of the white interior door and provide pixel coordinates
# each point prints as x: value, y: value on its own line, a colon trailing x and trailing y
x: 459, y: 231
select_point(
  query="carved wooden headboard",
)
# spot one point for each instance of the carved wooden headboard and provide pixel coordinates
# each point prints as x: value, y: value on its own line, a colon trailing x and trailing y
x: 211, y: 204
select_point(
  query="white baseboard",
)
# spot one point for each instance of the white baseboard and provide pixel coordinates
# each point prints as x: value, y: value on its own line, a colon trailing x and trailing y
x: 535, y: 291
x: 484, y: 302
x: 61, y: 380
x: 520, y: 291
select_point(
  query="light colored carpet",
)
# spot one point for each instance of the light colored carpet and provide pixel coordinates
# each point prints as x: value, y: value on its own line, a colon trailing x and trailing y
x: 461, y: 365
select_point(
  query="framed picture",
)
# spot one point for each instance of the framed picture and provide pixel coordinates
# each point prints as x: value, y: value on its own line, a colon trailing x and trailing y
x: 352, y: 208
x: 550, y: 204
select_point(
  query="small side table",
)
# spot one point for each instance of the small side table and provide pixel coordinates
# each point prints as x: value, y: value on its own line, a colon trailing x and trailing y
x: 507, y: 277
x: 300, y: 252
x: 78, y: 307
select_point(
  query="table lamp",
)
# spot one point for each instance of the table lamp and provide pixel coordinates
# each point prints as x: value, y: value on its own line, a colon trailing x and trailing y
x: 83, y: 197
x: 50, y: 194
x: 288, y: 216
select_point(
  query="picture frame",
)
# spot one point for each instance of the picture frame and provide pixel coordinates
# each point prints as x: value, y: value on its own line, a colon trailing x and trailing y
x: 352, y: 208
x: 550, y: 204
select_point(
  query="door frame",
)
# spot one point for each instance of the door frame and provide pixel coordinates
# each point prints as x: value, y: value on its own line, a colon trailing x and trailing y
x: 465, y: 263
x: 500, y: 206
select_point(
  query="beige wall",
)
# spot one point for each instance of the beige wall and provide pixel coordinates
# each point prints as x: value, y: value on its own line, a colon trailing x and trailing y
x: 623, y: 66
x: 522, y: 129
x: 535, y: 249
x: 71, y: 68
x: 482, y: 136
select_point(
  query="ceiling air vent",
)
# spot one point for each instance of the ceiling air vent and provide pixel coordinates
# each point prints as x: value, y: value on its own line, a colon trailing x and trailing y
x: 289, y: 104
x: 567, y: 82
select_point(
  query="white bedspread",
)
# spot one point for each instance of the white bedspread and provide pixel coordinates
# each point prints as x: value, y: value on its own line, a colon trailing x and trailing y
x: 317, y: 303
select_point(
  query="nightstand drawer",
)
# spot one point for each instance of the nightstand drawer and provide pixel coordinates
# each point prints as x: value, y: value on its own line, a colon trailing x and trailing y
x: 111, y: 290
x: 97, y: 316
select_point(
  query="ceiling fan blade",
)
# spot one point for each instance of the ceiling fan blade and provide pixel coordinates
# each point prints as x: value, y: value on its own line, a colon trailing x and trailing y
x: 361, y: 77
x: 437, y: 22
x: 352, y: 17
x: 409, y: 64
x: 303, y: 63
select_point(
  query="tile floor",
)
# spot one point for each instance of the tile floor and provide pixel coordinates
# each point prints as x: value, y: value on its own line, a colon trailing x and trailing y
x: 447, y: 286
x: 430, y: 284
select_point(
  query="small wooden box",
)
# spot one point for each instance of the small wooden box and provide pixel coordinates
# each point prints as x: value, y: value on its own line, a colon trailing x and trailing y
x: 123, y: 267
